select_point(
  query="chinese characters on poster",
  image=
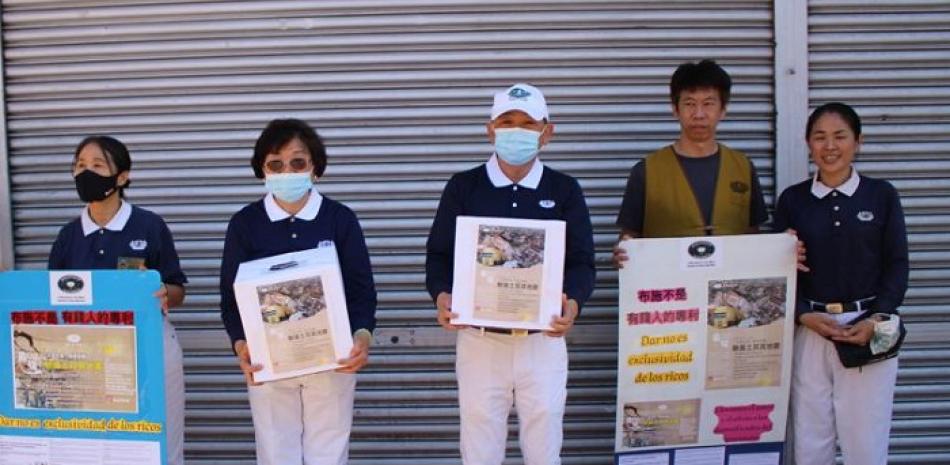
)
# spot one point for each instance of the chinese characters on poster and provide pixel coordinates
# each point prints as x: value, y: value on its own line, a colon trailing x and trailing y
x: 705, y: 342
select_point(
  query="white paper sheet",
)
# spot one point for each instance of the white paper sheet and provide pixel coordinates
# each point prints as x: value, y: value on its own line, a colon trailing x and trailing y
x: 22, y: 450
x: 659, y: 458
x: 759, y: 458
x: 701, y: 456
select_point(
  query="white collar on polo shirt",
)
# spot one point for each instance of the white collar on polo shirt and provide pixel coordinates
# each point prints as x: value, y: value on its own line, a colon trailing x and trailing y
x: 820, y: 190
x: 117, y: 223
x: 308, y: 212
x: 498, y: 178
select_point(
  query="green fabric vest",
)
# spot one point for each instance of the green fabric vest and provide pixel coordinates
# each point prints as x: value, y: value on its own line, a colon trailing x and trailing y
x: 671, y: 209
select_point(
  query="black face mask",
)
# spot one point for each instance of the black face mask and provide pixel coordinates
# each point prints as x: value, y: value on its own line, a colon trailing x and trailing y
x: 93, y: 187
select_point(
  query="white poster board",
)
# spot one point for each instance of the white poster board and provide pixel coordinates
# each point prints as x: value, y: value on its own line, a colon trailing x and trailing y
x: 293, y: 309
x: 508, y: 272
x: 705, y: 348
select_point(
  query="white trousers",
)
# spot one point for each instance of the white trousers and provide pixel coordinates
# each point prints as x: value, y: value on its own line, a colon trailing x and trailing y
x: 174, y: 396
x: 828, y: 400
x: 304, y: 420
x: 494, y: 370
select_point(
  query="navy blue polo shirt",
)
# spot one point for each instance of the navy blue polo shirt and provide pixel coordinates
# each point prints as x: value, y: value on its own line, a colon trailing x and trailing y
x: 262, y: 229
x: 544, y: 194
x: 133, y: 237
x: 855, y: 239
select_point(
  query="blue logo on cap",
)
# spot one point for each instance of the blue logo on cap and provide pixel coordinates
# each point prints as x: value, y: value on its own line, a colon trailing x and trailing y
x: 519, y: 93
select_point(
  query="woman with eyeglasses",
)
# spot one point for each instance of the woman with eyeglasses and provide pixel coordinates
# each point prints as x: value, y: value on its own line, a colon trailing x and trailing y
x: 111, y: 233
x: 303, y: 420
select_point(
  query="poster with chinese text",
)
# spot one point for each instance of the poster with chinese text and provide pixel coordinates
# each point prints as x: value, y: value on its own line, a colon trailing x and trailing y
x: 508, y: 272
x: 705, y: 349
x: 293, y: 308
x: 81, y: 368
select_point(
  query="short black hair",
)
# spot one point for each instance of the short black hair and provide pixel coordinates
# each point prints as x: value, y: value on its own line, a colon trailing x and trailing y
x: 116, y: 152
x: 280, y: 132
x: 841, y: 109
x: 702, y: 75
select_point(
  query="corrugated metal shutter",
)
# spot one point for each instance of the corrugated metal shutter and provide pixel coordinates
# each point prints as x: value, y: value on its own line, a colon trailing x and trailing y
x: 401, y: 91
x: 891, y: 60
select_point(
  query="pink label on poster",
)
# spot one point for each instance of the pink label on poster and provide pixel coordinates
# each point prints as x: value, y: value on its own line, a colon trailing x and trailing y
x: 743, y: 422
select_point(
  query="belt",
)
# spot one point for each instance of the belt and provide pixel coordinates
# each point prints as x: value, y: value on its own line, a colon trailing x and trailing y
x: 842, y: 307
x: 506, y: 331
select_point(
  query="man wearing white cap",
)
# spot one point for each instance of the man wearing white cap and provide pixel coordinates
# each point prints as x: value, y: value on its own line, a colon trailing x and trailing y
x: 496, y: 367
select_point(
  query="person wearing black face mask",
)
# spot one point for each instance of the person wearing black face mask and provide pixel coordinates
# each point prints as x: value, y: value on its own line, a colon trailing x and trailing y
x: 110, y: 233
x: 94, y: 187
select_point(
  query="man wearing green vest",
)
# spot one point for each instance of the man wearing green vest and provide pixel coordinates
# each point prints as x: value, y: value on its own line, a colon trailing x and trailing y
x: 696, y: 186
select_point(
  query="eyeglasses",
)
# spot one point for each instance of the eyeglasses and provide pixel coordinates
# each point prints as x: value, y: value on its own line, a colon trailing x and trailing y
x: 296, y: 165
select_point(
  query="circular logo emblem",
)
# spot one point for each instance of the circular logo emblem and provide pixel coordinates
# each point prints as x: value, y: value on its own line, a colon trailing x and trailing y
x: 70, y: 283
x: 701, y: 249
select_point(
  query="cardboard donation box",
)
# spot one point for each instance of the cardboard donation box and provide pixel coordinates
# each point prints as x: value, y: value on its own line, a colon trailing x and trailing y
x: 508, y: 272
x: 294, y: 313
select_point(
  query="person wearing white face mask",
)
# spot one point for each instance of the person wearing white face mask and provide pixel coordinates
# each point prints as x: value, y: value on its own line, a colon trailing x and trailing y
x: 496, y: 367
x: 303, y: 420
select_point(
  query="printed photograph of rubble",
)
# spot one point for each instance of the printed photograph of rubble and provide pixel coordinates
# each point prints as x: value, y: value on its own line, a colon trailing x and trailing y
x: 746, y: 303
x: 745, y: 333
x: 510, y: 247
x: 293, y: 300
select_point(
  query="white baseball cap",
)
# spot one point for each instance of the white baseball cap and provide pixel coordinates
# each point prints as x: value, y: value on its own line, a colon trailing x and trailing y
x: 523, y: 97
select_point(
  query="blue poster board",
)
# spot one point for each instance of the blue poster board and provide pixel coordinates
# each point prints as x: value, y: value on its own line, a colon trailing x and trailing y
x: 81, y: 368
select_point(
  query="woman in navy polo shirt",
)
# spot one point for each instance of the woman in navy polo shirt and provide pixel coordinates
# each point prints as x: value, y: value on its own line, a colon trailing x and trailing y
x: 305, y: 419
x: 111, y: 233
x: 853, y: 228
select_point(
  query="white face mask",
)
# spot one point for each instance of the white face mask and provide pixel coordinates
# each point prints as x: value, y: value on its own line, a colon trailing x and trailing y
x: 517, y: 146
x: 288, y: 187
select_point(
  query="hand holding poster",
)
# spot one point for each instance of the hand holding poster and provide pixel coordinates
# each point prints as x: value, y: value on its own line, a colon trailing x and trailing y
x: 81, y: 369
x: 293, y: 309
x: 705, y: 347
x: 508, y: 272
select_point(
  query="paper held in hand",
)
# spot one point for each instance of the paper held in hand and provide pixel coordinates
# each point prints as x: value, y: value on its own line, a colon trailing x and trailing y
x: 294, y: 313
x: 508, y: 272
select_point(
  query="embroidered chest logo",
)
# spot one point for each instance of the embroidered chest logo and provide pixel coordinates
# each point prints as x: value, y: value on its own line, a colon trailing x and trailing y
x: 322, y: 244
x: 865, y: 215
x: 138, y: 244
x: 739, y: 187
x: 546, y: 203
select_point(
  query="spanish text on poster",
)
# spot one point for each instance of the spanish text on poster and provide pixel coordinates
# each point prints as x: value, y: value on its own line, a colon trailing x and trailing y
x: 81, y: 369
x: 705, y: 346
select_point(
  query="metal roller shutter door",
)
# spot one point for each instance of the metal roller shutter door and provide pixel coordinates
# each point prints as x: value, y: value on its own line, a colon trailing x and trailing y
x: 891, y: 60
x: 400, y: 90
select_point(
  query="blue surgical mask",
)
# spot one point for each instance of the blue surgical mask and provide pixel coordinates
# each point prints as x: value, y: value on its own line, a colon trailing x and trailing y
x: 517, y: 146
x: 288, y: 187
